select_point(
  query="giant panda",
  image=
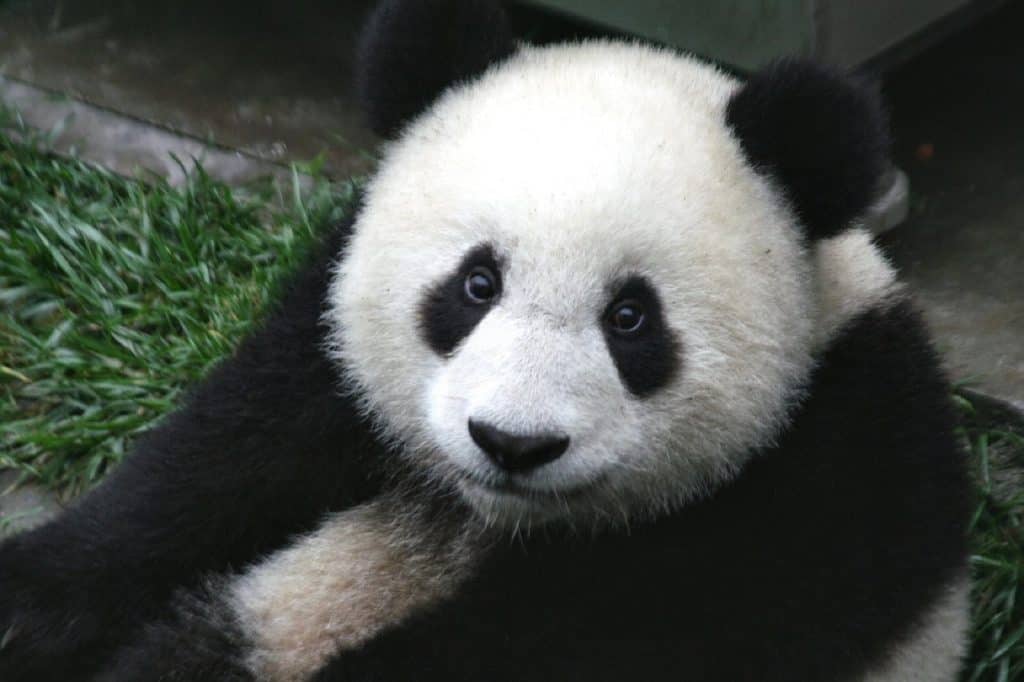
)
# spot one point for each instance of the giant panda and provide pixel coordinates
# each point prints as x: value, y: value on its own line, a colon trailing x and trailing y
x: 602, y: 381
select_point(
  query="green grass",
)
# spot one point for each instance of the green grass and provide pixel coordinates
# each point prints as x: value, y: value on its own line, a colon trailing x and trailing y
x: 996, y: 443
x: 114, y: 295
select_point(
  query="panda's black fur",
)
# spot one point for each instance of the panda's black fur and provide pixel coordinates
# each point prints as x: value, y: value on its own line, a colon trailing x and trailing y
x: 815, y: 563
x: 822, y: 134
x: 403, y: 65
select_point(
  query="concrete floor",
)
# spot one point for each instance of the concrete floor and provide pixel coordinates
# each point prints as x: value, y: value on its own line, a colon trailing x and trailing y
x: 267, y: 79
x: 24, y: 507
x: 125, y: 144
x: 962, y: 250
x: 250, y: 87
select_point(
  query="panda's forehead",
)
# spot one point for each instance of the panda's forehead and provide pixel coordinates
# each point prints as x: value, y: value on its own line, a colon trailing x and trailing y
x: 580, y: 164
x: 583, y: 124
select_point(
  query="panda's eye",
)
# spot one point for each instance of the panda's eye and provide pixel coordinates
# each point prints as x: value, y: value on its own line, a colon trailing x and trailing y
x: 481, y: 285
x: 626, y: 317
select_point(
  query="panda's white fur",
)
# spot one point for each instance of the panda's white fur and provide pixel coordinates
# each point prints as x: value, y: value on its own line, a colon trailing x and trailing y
x: 852, y: 276
x: 580, y: 164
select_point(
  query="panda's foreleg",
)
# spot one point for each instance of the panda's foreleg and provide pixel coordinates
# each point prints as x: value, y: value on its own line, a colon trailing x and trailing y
x: 362, y: 571
x: 261, y: 450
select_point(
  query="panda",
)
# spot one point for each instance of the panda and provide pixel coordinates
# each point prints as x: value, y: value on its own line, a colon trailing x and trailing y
x: 602, y: 381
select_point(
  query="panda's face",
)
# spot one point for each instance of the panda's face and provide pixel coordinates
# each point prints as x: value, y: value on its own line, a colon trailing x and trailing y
x: 569, y: 294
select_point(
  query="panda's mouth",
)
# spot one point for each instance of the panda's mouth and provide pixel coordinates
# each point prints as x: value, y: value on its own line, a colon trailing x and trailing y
x: 514, y: 488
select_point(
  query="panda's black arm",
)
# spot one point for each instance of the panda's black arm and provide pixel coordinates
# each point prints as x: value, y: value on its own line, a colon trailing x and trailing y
x: 258, y: 452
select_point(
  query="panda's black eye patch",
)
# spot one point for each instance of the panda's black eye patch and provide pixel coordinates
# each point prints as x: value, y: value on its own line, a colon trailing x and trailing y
x: 644, y: 349
x: 453, y: 307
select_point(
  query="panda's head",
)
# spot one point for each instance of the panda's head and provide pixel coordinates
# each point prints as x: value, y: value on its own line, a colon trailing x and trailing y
x: 580, y: 283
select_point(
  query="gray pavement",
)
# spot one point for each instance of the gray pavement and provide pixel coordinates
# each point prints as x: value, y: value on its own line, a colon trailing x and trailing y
x: 128, y: 146
x: 959, y: 136
x: 271, y: 80
x: 23, y: 507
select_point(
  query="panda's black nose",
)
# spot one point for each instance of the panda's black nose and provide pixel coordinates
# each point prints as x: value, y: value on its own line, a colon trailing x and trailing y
x: 515, y: 453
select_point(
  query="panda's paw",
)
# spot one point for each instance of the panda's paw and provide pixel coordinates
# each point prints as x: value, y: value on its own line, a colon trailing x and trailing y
x: 199, y: 641
x: 31, y: 635
x: 172, y: 660
x: 35, y: 643
x: 21, y: 621
x: 47, y: 630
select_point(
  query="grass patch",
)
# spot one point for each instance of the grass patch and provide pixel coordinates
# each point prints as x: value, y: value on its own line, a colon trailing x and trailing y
x: 114, y: 295
x: 996, y: 442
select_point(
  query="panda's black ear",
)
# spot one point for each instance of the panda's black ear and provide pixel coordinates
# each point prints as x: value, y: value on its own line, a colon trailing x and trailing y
x: 411, y: 50
x: 821, y: 134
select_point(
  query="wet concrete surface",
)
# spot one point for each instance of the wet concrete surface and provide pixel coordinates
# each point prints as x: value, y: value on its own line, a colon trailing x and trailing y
x: 268, y: 79
x: 126, y: 145
x: 959, y: 135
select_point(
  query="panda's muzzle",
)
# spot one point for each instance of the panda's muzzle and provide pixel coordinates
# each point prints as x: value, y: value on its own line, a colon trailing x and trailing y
x: 516, y: 453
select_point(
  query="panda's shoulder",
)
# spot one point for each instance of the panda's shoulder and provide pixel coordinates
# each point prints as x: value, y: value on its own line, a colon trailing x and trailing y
x: 873, y: 344
x: 852, y: 278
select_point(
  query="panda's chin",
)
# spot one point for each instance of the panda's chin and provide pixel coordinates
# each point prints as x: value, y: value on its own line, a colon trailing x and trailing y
x: 508, y: 501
